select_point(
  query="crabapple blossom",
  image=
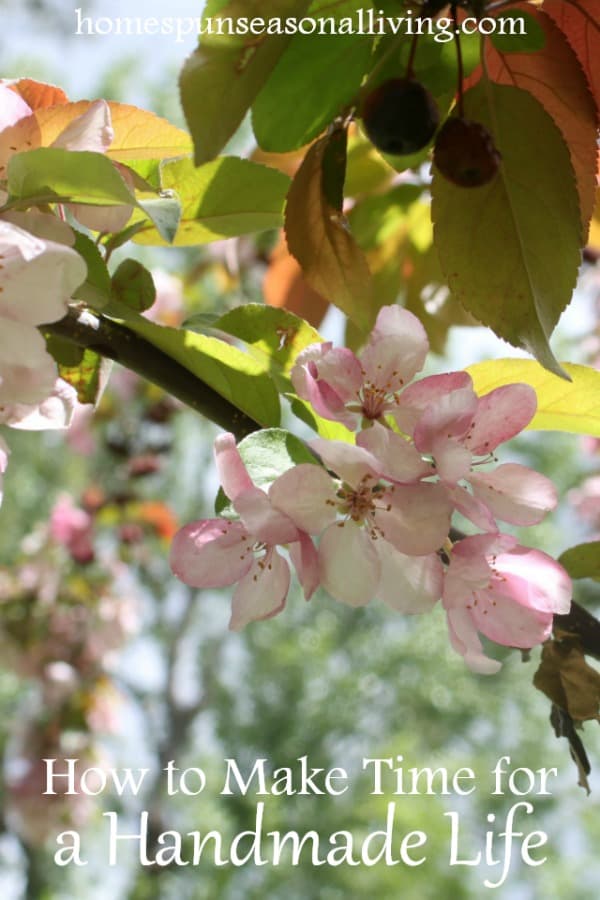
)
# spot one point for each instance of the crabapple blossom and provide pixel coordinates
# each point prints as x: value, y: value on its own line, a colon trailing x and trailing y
x: 219, y: 552
x: 371, y: 531
x: 507, y: 592
x: 349, y: 388
x: 458, y: 430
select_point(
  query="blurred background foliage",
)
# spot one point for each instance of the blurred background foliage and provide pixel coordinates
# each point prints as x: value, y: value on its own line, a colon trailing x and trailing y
x: 168, y: 681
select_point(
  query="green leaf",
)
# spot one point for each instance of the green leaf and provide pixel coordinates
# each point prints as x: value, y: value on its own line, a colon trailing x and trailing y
x: 317, y: 76
x: 317, y: 235
x: 510, y: 249
x: 221, y: 79
x: 224, y: 198
x: 268, y: 454
x: 531, y: 40
x: 132, y: 285
x: 95, y: 290
x: 274, y: 337
x: 232, y: 374
x: 582, y: 561
x: 50, y: 175
x: 562, y: 406
x: 88, y: 375
x: 165, y: 214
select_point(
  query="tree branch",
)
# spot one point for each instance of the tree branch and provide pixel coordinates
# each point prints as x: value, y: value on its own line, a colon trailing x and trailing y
x: 114, y: 341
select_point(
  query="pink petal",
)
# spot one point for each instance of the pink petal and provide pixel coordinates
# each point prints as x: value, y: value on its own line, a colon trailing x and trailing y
x: 211, y: 553
x: 261, y: 519
x: 501, y: 414
x: 307, y: 495
x: 515, y: 493
x: 398, y: 460
x: 327, y: 378
x: 349, y: 566
x: 452, y: 459
x: 449, y: 416
x: 233, y: 474
x: 418, y: 520
x: 92, y: 130
x: 509, y: 623
x: 409, y: 584
x: 419, y: 395
x: 104, y: 219
x: 262, y: 592
x: 351, y: 464
x: 396, y: 350
x: 305, y: 558
x: 471, y: 508
x: 536, y: 579
x: 464, y: 639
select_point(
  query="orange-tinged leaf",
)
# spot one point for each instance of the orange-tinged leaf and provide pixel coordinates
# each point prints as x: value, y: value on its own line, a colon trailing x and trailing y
x: 318, y: 236
x: 580, y: 22
x: 554, y: 76
x: 37, y: 94
x: 285, y: 286
x: 594, y: 232
x: 138, y: 134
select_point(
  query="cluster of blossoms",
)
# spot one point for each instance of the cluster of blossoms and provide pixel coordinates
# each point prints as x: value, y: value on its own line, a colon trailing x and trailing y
x: 40, y: 271
x: 382, y: 509
x: 62, y: 632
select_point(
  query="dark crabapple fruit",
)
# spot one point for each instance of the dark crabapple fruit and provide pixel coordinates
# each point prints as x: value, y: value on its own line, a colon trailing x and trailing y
x: 465, y: 153
x: 400, y: 116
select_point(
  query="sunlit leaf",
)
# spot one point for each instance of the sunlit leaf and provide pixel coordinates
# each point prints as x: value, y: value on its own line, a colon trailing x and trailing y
x: 562, y: 406
x: 511, y: 273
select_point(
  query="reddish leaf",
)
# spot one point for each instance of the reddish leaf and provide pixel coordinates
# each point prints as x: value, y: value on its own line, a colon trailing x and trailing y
x: 285, y: 286
x: 318, y: 236
x: 555, y: 78
x: 580, y: 21
x: 39, y: 95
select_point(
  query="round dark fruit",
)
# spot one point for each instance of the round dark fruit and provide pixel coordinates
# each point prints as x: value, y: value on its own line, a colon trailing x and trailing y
x: 400, y: 116
x: 465, y: 153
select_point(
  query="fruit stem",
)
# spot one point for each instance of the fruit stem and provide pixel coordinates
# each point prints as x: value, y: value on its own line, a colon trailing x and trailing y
x: 459, y: 62
x: 410, y: 71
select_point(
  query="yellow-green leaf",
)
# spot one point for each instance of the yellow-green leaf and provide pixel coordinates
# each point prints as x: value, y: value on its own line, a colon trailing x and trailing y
x: 562, y: 406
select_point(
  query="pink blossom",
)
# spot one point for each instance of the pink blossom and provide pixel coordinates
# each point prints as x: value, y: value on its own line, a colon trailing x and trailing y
x: 459, y: 431
x: 349, y: 388
x: 371, y: 530
x: 218, y: 552
x: 73, y: 528
x: 505, y: 591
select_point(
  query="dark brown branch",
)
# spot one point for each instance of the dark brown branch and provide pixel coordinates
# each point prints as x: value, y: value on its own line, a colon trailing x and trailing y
x: 115, y: 341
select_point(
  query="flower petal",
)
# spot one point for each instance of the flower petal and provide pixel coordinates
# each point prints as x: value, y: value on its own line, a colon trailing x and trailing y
x: 305, y: 558
x: 261, y: 593
x: 465, y: 641
x: 351, y: 463
x: 544, y: 583
x: 515, y: 493
x: 409, y: 584
x: 328, y: 378
x: 211, y: 553
x: 349, y: 566
x: 398, y: 459
x: 419, y: 395
x: 27, y: 371
x: 262, y: 520
x: 307, y: 494
x: 417, y: 520
x: 233, y: 474
x: 396, y: 349
x: 56, y: 411
x: 501, y: 414
x: 92, y: 130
